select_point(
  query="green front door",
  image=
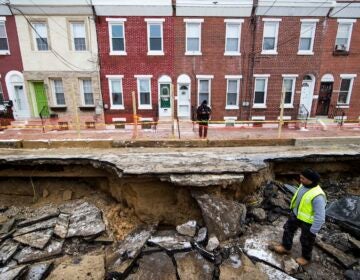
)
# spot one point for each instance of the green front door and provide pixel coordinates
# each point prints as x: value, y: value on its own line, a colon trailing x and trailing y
x: 41, y: 100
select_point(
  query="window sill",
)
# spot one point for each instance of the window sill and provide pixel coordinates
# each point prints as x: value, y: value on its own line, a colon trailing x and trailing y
x: 305, y: 53
x: 259, y: 107
x: 117, y: 53
x: 231, y: 107
x: 145, y: 107
x: 269, y: 52
x: 288, y: 106
x: 58, y: 108
x: 232, y: 54
x: 4, y: 52
x: 345, y: 106
x: 341, y: 53
x: 117, y: 107
x: 87, y: 107
x: 155, y: 53
x: 193, y: 53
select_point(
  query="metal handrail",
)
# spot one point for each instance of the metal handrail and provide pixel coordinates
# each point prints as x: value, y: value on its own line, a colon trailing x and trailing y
x: 45, y: 109
x: 336, y: 111
x: 304, y: 109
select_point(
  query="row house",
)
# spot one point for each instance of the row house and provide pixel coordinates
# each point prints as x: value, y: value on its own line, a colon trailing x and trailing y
x: 11, y: 77
x: 58, y: 45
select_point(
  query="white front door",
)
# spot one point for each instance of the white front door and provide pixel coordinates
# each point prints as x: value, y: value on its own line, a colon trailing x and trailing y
x: 306, y: 97
x: 184, y: 108
x: 21, y: 108
x: 164, y: 100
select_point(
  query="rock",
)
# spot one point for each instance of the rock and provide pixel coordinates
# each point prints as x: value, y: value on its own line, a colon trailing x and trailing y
x: 201, y: 236
x: 67, y: 195
x: 206, y: 254
x: 38, y: 271
x: 7, y: 226
x: 48, y: 224
x: 41, y: 214
x: 104, y: 238
x: 15, y: 273
x: 240, y: 267
x: 204, y: 180
x: 188, y: 228
x: 3, y: 219
x: 45, y: 193
x: 192, y: 266
x: 346, y: 209
x: 213, y: 243
x: 290, y: 266
x: 62, y: 225
x: 273, y: 273
x: 29, y: 254
x: 279, y: 202
x: 223, y: 218
x: 36, y: 239
x: 170, y: 241
x: 121, y: 256
x: 3, y: 208
x: 89, y: 267
x: 354, y: 242
x: 157, y: 266
x: 352, y: 274
x: 7, y: 250
x: 259, y: 214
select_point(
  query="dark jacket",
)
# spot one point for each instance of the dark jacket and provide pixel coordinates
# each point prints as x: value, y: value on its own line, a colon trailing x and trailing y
x: 203, y: 112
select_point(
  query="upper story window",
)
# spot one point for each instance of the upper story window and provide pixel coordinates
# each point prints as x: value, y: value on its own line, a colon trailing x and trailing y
x: 343, y: 35
x: 117, y: 36
x: 58, y: 92
x: 193, y: 36
x: 78, y: 33
x: 233, y: 35
x: 307, y: 36
x: 270, y: 36
x: 260, y: 91
x: 155, y: 36
x: 347, y: 81
x: 87, y: 92
x: 4, y: 44
x: 40, y: 33
x: 232, y: 91
x: 204, y: 88
x: 289, y: 90
x: 144, y: 91
x: 116, y: 91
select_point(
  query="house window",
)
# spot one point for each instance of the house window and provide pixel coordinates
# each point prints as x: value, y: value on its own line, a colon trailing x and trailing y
x: 232, y: 92
x: 1, y: 96
x: 58, y: 91
x: 289, y: 90
x: 345, y: 89
x: 116, y: 92
x: 40, y: 36
x: 4, y: 44
x: 87, y: 92
x: 144, y: 91
x: 193, y: 36
x: 155, y: 36
x: 260, y: 91
x: 232, y: 40
x: 270, y: 36
x: 343, y: 35
x: 307, y: 35
x: 78, y: 35
x: 204, y: 88
x: 117, y: 36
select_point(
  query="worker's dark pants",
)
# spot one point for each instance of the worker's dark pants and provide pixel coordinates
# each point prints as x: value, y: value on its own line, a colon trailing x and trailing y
x: 203, y: 128
x: 307, y: 238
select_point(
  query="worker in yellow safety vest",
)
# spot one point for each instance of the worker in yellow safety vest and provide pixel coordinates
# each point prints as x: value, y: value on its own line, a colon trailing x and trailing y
x: 308, y: 213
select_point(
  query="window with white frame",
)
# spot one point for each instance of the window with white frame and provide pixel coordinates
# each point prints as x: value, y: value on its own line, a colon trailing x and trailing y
x: 144, y: 91
x: 260, y: 91
x: 116, y: 92
x: 58, y: 92
x: 87, y: 92
x: 232, y: 37
x: 78, y: 36
x: 40, y: 33
x: 289, y: 91
x: 346, y: 86
x: 270, y: 36
x: 4, y: 44
x: 204, y: 89
x: 155, y: 36
x: 232, y: 92
x: 343, y: 35
x: 307, y: 35
x: 193, y: 36
x: 117, y: 36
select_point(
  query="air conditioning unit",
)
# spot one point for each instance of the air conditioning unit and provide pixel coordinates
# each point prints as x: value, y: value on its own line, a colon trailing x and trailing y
x: 340, y: 47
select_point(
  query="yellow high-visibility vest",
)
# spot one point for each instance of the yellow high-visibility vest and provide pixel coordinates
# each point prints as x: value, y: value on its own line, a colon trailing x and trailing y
x: 305, y: 211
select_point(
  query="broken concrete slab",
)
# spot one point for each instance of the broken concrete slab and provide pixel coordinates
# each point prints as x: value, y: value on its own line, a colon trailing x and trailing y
x: 29, y: 254
x: 39, y: 215
x: 204, y: 180
x: 201, y: 235
x: 35, y: 239
x: 7, y: 226
x: 14, y: 273
x: 47, y: 224
x: 170, y: 240
x: 157, y: 266
x: 38, y: 271
x: 192, y: 266
x: 62, y: 225
x: 89, y: 267
x: 7, y: 250
x: 273, y: 273
x: 346, y: 209
x: 223, y: 218
x: 188, y: 229
x: 345, y: 259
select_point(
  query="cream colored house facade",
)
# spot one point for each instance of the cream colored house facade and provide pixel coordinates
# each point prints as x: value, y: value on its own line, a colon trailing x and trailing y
x: 59, y: 50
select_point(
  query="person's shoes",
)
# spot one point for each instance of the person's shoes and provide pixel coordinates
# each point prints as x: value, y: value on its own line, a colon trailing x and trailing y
x: 302, y: 261
x: 280, y: 249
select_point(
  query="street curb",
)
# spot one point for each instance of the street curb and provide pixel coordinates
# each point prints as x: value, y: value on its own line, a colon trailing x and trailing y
x: 326, y: 141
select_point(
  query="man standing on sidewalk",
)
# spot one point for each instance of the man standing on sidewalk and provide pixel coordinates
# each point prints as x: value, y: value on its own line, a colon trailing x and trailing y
x: 203, y: 115
x: 308, y: 213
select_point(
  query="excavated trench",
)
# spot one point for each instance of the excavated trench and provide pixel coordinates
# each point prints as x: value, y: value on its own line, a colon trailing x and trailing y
x: 166, y: 199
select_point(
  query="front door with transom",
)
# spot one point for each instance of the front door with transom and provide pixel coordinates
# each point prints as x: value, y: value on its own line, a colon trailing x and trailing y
x: 324, y: 98
x: 21, y: 108
x: 306, y: 98
x: 184, y: 101
x: 41, y: 99
x: 164, y: 100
